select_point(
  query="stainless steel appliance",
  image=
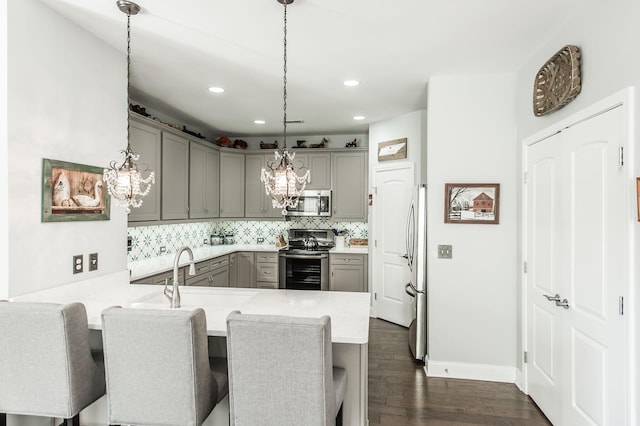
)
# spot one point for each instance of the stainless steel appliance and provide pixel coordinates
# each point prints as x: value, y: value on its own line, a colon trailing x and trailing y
x: 305, y: 264
x: 312, y: 202
x: 417, y: 262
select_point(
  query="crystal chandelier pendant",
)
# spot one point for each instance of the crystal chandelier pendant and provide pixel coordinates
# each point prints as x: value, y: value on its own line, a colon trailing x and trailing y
x: 281, y: 180
x: 126, y: 183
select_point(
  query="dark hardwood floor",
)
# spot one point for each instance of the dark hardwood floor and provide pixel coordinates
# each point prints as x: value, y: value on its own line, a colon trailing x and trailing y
x: 401, y: 394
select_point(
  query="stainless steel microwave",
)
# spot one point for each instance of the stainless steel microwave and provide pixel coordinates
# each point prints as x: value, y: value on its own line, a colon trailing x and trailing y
x: 312, y: 202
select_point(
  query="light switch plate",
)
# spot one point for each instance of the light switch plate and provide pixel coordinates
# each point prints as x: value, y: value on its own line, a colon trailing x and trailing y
x: 93, y: 262
x: 445, y: 251
x: 77, y: 264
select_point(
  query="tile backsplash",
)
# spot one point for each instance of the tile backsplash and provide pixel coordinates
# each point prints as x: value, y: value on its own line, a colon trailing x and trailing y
x: 147, y: 240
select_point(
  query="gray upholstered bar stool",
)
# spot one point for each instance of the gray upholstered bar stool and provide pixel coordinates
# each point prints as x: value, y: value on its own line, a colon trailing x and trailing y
x: 281, y: 371
x: 46, y: 365
x: 158, y: 367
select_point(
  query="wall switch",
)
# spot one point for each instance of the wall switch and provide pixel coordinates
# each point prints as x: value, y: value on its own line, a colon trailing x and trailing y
x: 260, y: 240
x: 93, y: 262
x: 445, y: 252
x: 77, y: 264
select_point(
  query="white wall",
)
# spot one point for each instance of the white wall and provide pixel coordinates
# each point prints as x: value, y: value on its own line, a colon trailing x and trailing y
x: 606, y: 33
x: 472, y: 310
x: 66, y: 101
x: 4, y: 172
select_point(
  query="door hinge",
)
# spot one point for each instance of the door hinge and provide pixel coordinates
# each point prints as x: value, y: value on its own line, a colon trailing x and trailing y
x: 525, y: 357
x: 524, y: 177
x: 375, y: 243
x: 621, y: 305
x: 524, y: 267
x: 375, y: 189
x: 620, y: 156
x: 375, y: 296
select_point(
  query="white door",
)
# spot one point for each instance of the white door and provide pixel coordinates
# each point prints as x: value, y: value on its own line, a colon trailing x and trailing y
x: 393, y: 188
x: 576, y: 247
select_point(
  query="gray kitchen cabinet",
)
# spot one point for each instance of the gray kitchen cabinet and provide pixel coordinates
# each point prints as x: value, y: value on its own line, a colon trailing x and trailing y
x: 257, y: 202
x: 319, y: 163
x: 159, y: 279
x: 349, y: 185
x: 175, y: 177
x: 219, y: 271
x: 147, y: 142
x: 267, y: 269
x: 232, y: 177
x: 233, y: 270
x: 204, y: 182
x: 246, y: 264
x: 348, y: 272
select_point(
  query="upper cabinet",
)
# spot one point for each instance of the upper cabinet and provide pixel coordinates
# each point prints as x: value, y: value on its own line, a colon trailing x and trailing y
x: 175, y: 177
x: 147, y: 142
x: 319, y: 163
x: 257, y: 202
x: 349, y: 185
x: 231, y: 184
x: 204, y: 181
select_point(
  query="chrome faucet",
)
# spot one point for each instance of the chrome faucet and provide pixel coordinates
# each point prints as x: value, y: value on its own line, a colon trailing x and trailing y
x: 173, y: 294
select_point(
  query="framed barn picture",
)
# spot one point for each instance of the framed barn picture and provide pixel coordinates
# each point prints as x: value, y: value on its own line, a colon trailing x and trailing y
x: 472, y: 203
x: 73, y: 192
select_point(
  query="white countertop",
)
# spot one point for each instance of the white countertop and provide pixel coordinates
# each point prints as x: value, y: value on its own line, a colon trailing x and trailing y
x: 350, y: 250
x: 349, y: 312
x: 156, y: 265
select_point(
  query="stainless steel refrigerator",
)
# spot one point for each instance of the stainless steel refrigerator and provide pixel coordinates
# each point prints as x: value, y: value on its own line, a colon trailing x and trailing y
x: 417, y: 263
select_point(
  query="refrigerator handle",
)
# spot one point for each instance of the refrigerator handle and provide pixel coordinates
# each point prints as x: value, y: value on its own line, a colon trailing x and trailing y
x: 409, y: 290
x: 410, y: 234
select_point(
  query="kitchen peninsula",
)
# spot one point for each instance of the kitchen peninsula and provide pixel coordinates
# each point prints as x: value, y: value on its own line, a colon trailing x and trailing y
x: 349, y: 314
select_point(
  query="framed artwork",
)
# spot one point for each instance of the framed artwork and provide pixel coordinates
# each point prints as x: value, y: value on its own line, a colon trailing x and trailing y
x: 472, y: 203
x: 392, y: 150
x: 73, y: 192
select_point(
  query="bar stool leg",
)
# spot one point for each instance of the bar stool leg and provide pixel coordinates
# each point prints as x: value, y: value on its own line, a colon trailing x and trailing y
x: 3, y: 419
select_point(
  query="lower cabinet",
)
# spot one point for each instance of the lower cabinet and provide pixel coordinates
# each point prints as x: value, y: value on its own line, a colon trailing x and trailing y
x: 159, y: 279
x: 348, y: 272
x: 209, y: 273
x: 245, y: 270
x: 267, y: 269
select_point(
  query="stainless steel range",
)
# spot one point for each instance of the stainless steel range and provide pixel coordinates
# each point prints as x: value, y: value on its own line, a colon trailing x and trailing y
x: 305, y: 264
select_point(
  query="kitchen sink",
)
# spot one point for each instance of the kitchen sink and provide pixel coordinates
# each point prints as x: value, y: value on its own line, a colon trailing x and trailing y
x: 197, y: 298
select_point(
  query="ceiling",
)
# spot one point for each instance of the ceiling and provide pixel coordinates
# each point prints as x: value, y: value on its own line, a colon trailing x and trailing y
x: 180, y: 49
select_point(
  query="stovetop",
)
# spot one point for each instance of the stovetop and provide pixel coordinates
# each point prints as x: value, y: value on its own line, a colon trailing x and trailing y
x: 310, y: 241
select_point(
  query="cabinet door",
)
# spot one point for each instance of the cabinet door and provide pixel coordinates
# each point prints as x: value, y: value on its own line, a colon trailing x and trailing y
x: 255, y: 197
x: 348, y: 273
x: 246, y: 269
x: 198, y: 280
x: 220, y: 277
x: 349, y: 185
x: 204, y: 187
x: 320, y: 166
x: 233, y: 270
x: 175, y: 176
x: 147, y: 141
x: 231, y: 185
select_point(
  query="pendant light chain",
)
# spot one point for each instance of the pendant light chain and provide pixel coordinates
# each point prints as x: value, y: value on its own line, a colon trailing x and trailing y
x: 128, y: 78
x: 284, y: 79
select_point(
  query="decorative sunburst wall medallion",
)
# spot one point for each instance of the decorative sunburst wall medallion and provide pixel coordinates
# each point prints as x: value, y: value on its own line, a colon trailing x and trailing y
x: 558, y: 81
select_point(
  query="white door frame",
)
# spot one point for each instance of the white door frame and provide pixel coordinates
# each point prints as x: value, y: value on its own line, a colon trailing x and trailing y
x: 374, y: 252
x: 622, y: 99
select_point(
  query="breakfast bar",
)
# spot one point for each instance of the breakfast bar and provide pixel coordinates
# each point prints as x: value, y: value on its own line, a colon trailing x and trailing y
x: 349, y: 314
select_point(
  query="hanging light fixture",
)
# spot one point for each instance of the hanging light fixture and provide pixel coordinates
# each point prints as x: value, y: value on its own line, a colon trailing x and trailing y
x: 281, y: 180
x: 125, y: 182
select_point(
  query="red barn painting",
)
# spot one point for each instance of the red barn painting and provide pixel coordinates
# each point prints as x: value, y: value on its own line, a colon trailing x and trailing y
x: 483, y: 203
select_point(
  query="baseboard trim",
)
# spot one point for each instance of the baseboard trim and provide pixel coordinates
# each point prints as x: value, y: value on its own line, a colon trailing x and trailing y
x: 460, y: 370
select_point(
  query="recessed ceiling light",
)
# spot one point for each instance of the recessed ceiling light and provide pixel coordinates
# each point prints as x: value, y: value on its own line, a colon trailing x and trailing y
x: 359, y: 117
x: 216, y: 89
x: 259, y: 121
x: 351, y: 83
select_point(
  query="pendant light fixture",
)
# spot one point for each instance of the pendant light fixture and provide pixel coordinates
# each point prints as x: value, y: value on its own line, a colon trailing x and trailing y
x: 125, y: 182
x: 280, y: 178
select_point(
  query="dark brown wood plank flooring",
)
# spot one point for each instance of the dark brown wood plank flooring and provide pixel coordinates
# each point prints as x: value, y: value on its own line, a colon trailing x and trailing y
x: 401, y: 394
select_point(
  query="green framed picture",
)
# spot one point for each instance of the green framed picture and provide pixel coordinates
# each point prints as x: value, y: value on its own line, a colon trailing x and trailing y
x: 73, y: 192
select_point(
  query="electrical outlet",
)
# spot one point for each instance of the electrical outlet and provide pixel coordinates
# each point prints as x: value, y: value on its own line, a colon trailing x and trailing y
x: 445, y: 252
x: 77, y: 264
x: 129, y: 243
x: 205, y: 241
x: 93, y: 262
x: 260, y: 240
x: 163, y: 249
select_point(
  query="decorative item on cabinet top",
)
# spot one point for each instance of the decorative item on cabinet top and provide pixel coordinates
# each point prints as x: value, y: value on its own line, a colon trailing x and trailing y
x: 558, y: 81
x: 268, y: 145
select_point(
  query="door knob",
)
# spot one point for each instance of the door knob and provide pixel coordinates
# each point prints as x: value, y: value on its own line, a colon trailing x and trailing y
x: 555, y: 298
x: 564, y: 303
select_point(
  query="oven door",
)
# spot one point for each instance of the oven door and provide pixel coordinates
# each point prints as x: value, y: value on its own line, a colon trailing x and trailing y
x: 304, y: 271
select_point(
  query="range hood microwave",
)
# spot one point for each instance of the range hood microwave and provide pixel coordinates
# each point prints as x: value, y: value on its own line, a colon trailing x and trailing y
x: 312, y: 202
